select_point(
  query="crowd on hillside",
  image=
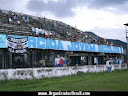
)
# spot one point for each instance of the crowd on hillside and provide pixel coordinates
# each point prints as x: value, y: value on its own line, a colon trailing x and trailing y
x: 68, y: 32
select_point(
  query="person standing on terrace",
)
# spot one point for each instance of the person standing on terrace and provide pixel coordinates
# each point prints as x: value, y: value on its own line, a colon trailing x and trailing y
x: 108, y: 65
x: 33, y: 30
x: 27, y: 18
x: 23, y: 19
x: 1, y: 13
x: 43, y: 32
x: 10, y: 12
x: 96, y: 61
x: 37, y: 31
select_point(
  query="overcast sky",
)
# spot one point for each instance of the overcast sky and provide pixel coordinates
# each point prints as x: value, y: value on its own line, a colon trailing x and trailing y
x: 103, y: 17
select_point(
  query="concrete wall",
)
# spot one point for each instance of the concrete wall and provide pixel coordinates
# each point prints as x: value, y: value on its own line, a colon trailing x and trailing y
x: 31, y: 73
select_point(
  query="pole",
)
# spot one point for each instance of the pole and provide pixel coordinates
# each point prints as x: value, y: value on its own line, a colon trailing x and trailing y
x: 126, y: 28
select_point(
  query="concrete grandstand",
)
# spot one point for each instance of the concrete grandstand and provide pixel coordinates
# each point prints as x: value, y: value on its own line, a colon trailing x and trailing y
x: 81, y: 47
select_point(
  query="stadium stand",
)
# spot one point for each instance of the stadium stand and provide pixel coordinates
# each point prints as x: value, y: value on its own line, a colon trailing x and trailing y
x: 13, y: 23
x: 22, y: 24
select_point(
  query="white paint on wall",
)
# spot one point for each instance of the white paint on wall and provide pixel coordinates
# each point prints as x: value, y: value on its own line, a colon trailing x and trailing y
x: 32, y: 73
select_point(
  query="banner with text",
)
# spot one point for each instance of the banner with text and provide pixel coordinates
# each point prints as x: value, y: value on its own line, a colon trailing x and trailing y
x: 17, y: 44
x: 42, y: 43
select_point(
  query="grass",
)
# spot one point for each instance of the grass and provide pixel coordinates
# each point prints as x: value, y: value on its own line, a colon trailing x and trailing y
x: 103, y: 81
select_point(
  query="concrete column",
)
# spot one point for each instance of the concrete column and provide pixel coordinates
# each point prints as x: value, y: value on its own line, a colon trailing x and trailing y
x: 3, y: 60
x: 10, y: 60
x: 89, y: 60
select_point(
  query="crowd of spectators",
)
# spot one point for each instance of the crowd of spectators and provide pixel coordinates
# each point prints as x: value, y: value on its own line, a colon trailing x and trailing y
x: 110, y: 61
x: 115, y: 60
x: 42, y: 32
x: 53, y: 27
x: 18, y: 19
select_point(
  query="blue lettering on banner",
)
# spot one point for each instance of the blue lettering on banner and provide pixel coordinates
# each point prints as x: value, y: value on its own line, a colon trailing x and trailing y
x: 32, y: 42
x: 76, y: 46
x: 107, y: 47
x: 52, y: 44
x: 41, y: 43
x: 104, y: 48
x: 92, y: 47
x: 87, y: 47
x: 99, y: 48
x: 110, y: 50
x: 118, y: 50
x: 114, y: 49
x: 47, y: 43
x: 2, y: 41
x: 96, y: 47
x: 71, y: 47
x: 82, y: 46
x: 59, y: 45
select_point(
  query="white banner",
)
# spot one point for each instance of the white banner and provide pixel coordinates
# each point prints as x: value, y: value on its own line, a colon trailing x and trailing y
x: 17, y: 45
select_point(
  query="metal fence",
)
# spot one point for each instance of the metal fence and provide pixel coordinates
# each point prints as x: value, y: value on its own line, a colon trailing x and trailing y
x: 32, y: 60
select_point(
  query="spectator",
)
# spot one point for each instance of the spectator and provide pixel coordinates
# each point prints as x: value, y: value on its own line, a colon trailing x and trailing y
x: 111, y: 43
x: 14, y: 17
x: 111, y: 61
x: 44, y: 19
x: 46, y: 34
x: 27, y: 18
x: 57, y: 60
x: 37, y: 31
x: 33, y: 30
x: 23, y: 19
x: 108, y: 65
x: 55, y: 24
x: 43, y: 32
x: 68, y: 34
x: 10, y: 12
x: 68, y: 26
x: 18, y: 22
x: 53, y: 35
x: 120, y: 61
x: 1, y: 13
x: 64, y: 62
x: 42, y: 62
x: 40, y: 31
x: 76, y: 62
x: 115, y: 60
x: 96, y: 61
x: 61, y: 62
x: 10, y: 20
